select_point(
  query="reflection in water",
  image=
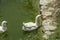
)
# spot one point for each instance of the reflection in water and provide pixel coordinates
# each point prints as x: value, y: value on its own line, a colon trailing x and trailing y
x: 3, y: 36
x: 31, y: 35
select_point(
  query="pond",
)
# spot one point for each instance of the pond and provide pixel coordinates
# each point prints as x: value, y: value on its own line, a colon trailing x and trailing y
x: 15, y: 12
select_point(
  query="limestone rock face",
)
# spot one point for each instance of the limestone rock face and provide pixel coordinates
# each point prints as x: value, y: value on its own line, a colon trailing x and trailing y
x: 48, y: 10
x: 45, y: 2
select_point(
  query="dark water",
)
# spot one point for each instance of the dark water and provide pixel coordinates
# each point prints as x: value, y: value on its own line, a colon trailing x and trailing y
x: 16, y: 12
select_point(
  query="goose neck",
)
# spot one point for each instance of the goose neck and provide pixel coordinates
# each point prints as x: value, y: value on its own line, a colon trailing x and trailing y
x: 36, y: 19
x: 3, y: 25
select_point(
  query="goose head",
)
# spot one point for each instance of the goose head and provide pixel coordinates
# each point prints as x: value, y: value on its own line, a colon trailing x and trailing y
x: 4, y: 23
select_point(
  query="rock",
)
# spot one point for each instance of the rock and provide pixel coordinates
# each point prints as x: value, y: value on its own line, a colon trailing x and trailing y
x: 50, y: 27
x: 45, y: 36
x: 46, y: 13
x: 48, y: 21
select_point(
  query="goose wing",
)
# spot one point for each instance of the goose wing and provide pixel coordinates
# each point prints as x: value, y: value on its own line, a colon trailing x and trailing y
x: 29, y: 24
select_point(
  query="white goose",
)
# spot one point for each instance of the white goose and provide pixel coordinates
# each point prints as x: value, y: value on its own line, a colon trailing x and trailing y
x: 30, y: 25
x: 3, y: 27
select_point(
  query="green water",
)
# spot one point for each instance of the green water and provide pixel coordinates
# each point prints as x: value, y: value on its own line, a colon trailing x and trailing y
x: 15, y: 12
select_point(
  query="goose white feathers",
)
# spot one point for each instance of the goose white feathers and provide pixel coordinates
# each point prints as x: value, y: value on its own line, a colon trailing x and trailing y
x: 3, y: 27
x: 30, y: 25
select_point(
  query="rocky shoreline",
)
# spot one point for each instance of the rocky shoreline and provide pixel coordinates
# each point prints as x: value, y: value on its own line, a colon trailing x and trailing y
x: 48, y: 12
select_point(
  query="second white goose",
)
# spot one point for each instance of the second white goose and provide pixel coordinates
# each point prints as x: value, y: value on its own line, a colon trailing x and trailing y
x: 30, y: 25
x: 3, y: 27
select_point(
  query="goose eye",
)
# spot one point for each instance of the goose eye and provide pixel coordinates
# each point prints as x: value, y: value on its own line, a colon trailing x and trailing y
x: 5, y: 23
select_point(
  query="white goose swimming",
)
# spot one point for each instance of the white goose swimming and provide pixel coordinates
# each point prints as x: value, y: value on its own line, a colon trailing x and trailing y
x: 30, y: 25
x: 3, y: 27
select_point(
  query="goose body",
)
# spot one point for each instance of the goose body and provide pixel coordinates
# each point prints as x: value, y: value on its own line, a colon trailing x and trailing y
x: 3, y: 27
x: 30, y: 25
